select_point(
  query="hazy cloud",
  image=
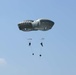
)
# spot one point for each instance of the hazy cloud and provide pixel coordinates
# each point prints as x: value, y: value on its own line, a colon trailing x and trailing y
x: 2, y: 61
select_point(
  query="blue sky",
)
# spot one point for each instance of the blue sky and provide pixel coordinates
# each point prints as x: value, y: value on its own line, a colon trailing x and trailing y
x: 59, y: 51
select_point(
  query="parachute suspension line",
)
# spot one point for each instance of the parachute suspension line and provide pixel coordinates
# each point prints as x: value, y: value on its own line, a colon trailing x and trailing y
x: 41, y: 46
x: 30, y: 44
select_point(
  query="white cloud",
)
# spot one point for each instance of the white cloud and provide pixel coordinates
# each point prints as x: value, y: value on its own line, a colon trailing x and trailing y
x: 2, y: 61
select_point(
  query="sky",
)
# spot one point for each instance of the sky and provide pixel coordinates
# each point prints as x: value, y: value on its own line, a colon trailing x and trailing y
x: 59, y: 51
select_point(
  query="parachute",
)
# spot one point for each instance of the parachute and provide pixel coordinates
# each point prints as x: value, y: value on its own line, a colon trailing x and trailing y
x: 35, y: 25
